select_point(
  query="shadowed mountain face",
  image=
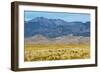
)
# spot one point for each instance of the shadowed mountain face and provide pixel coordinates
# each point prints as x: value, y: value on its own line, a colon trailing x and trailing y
x: 55, y: 28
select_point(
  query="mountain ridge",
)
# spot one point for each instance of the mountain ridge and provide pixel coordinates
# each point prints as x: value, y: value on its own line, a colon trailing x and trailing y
x: 55, y: 27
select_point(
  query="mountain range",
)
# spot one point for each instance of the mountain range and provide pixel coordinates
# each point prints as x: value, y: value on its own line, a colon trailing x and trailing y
x: 53, y: 28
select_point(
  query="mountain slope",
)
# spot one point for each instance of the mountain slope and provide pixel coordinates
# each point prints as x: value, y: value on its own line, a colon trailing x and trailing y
x: 55, y: 28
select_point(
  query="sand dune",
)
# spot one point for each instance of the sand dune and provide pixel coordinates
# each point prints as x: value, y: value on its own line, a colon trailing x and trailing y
x: 69, y: 39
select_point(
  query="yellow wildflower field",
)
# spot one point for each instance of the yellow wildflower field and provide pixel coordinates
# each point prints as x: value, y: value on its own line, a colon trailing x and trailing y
x: 48, y: 52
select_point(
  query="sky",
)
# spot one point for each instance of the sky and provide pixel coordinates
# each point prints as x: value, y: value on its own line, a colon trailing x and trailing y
x: 69, y: 17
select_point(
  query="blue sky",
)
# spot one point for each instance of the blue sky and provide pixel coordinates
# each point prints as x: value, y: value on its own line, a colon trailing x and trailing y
x: 69, y: 17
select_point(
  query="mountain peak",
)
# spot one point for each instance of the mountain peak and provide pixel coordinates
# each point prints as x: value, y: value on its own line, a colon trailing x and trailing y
x: 55, y: 28
x: 38, y: 19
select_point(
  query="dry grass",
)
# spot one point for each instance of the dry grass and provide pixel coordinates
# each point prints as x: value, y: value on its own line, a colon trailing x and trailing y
x: 42, y: 52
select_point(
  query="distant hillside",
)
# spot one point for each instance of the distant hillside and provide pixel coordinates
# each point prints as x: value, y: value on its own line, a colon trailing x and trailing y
x: 55, y: 28
x: 69, y: 39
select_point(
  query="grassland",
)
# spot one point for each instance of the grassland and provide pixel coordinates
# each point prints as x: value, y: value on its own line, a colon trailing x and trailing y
x: 42, y: 52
